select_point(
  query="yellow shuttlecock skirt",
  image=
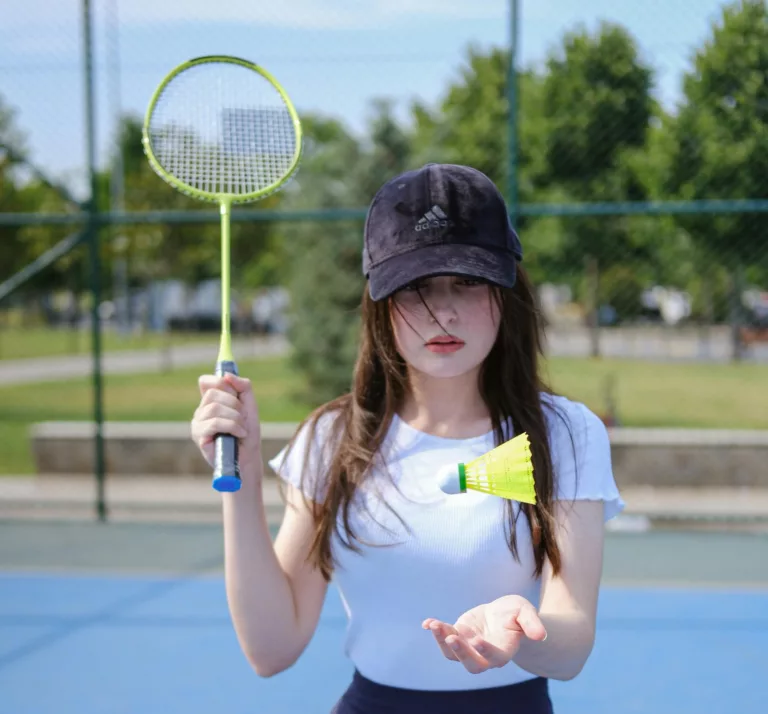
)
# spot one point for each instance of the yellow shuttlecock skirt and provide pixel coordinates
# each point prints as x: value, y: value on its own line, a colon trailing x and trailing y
x: 505, y: 471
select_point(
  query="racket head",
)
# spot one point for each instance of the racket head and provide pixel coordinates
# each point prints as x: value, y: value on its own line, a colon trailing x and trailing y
x: 221, y: 128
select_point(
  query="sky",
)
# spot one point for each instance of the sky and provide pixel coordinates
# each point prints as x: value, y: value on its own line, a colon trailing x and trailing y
x: 332, y: 56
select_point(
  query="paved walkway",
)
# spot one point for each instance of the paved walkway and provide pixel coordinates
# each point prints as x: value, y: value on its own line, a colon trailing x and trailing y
x: 49, y: 369
x: 192, y: 499
x: 128, y: 498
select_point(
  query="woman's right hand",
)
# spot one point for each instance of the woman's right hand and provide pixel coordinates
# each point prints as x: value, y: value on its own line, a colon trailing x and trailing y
x: 228, y: 406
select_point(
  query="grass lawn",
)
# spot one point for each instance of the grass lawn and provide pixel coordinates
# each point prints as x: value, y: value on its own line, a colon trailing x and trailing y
x: 720, y: 396
x: 142, y: 397
x: 18, y: 343
x: 647, y: 394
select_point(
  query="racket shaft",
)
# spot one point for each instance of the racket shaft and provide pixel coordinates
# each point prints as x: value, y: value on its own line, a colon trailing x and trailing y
x: 226, y: 461
x: 226, y: 475
x: 225, y: 347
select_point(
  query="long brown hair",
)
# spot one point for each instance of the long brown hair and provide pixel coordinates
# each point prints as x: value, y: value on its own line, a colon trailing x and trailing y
x: 510, y: 383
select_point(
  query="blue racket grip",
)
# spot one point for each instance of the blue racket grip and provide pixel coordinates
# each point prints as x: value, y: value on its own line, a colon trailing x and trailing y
x: 226, y: 474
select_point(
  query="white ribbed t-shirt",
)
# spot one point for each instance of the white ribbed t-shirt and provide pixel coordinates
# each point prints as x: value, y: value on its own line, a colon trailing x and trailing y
x: 449, y: 553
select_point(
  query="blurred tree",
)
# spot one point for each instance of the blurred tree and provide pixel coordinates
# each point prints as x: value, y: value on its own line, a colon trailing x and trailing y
x: 11, y: 143
x: 23, y: 190
x: 599, y: 109
x: 189, y: 252
x: 720, y: 148
x: 324, y: 259
x: 579, y: 123
x: 597, y: 99
x: 470, y: 124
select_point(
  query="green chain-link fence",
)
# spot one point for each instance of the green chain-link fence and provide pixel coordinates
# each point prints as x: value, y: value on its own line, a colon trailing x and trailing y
x: 632, y: 142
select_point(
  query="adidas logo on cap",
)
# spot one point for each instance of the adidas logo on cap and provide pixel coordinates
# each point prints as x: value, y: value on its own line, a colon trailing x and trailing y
x: 433, y: 219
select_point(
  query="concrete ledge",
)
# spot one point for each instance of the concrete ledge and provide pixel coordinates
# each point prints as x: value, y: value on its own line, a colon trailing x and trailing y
x: 629, y: 436
x: 641, y: 457
x: 150, y: 448
x: 690, y: 457
x: 131, y: 498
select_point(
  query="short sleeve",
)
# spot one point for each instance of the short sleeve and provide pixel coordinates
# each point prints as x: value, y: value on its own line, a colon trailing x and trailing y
x: 304, y: 468
x: 581, y: 456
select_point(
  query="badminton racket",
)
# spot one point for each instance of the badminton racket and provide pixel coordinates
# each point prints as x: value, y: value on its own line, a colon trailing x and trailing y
x: 222, y: 129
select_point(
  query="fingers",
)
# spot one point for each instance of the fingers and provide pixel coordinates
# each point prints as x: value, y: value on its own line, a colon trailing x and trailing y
x: 244, y: 390
x: 530, y: 623
x: 485, y: 654
x: 215, y: 395
x: 240, y: 384
x: 218, y: 413
x: 212, y: 410
x: 210, y: 381
x: 441, y: 630
x: 229, y: 382
x: 208, y: 429
x: 466, y: 653
x: 213, y: 388
x: 495, y: 656
x: 462, y: 648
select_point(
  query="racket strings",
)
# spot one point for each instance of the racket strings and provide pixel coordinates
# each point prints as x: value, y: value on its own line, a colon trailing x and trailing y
x: 222, y: 128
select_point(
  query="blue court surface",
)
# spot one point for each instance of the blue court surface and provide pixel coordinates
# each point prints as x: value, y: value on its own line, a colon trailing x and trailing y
x: 91, y: 645
x: 132, y: 619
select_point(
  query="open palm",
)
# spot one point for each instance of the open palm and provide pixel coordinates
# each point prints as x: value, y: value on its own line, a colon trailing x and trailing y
x: 488, y: 635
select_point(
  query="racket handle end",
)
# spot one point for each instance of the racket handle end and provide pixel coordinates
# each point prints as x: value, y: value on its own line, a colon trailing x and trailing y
x: 226, y: 484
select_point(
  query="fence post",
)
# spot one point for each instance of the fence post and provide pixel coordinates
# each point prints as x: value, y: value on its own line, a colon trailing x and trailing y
x: 95, y: 262
x: 512, y: 104
x: 593, y: 302
x: 736, y: 313
x: 708, y: 319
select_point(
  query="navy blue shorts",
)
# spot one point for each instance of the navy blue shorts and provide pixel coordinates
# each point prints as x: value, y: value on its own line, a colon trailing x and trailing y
x: 366, y: 697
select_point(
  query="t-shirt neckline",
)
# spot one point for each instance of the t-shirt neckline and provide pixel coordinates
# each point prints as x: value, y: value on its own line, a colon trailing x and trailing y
x: 402, y: 424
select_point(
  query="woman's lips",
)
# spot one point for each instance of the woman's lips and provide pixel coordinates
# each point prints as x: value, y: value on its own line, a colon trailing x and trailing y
x: 445, y: 344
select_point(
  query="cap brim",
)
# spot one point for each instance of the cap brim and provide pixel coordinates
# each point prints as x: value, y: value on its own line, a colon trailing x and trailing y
x: 452, y: 259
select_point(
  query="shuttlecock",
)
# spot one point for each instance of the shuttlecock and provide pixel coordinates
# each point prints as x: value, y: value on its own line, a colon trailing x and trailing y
x: 506, y: 471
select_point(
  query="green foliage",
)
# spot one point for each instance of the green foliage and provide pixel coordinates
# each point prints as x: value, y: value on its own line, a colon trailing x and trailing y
x: 720, y: 147
x: 598, y: 108
x: 470, y: 125
x: 325, y: 290
x: 326, y: 281
x: 9, y: 195
x: 622, y: 287
x: 191, y: 252
x: 24, y: 192
x: 11, y: 138
x: 588, y: 130
x: 597, y: 99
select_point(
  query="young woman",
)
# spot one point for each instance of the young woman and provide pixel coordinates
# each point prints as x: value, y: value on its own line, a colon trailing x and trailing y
x: 463, y: 603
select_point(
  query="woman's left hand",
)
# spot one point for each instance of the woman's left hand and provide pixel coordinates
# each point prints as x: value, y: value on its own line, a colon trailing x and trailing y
x: 489, y: 635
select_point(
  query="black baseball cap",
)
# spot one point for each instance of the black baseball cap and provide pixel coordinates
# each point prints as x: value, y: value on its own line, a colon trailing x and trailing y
x: 441, y: 219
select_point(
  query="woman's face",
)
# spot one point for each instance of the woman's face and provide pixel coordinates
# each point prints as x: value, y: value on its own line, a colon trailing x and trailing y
x: 453, y: 333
